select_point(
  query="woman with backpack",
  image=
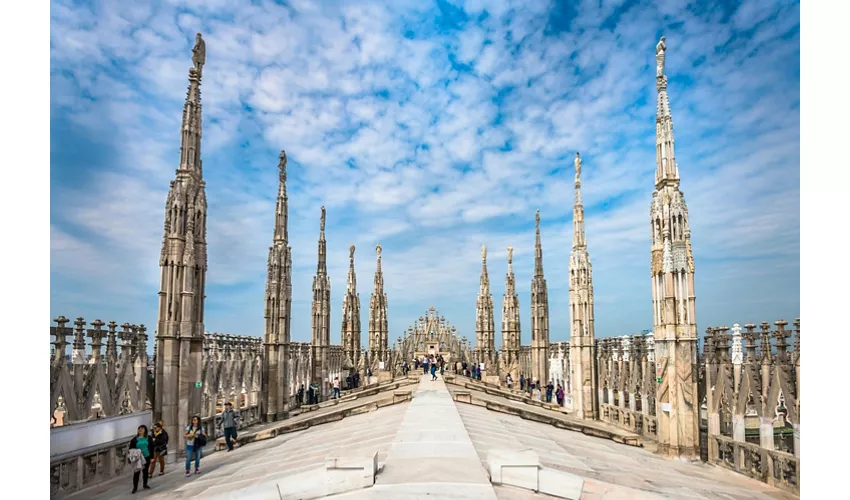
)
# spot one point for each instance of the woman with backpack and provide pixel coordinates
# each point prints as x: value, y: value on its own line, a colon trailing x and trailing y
x: 196, y: 438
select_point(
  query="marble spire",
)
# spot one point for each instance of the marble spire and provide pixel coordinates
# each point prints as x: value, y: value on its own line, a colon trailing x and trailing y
x: 485, y: 333
x: 539, y: 313
x: 673, y: 297
x: 350, y: 334
x: 511, y: 330
x: 378, y: 325
x: 321, y: 315
x: 278, y: 307
x: 582, y: 359
x: 183, y: 269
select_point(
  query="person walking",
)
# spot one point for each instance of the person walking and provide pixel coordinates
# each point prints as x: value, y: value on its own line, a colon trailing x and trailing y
x: 521, y: 382
x: 509, y: 381
x: 434, y: 371
x: 160, y: 448
x: 300, y: 395
x: 196, y: 438
x: 550, y: 388
x: 559, y: 395
x: 229, y: 422
x: 141, y: 442
x: 336, y: 388
x: 442, y: 364
x: 425, y: 365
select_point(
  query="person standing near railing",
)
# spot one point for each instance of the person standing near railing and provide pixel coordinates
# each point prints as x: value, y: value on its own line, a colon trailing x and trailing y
x: 229, y: 421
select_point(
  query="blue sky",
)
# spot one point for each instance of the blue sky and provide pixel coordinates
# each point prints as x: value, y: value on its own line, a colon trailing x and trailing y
x: 430, y: 127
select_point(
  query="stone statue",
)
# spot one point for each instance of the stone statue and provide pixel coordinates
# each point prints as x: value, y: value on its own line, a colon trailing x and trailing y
x: 483, y: 252
x: 351, y: 252
x: 199, y: 53
x: 322, y: 228
x: 537, y: 219
x: 378, y: 249
x: 510, y: 255
x: 578, y: 165
x: 282, y: 165
x: 660, y: 49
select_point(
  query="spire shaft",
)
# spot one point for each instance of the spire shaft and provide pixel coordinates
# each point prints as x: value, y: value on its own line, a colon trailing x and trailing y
x: 579, y: 239
x: 538, y: 248
x: 667, y: 170
x: 322, y: 266
x: 281, y: 233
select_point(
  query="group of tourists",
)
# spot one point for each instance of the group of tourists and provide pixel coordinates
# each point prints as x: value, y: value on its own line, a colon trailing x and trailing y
x: 537, y: 391
x: 148, y: 448
x: 432, y: 363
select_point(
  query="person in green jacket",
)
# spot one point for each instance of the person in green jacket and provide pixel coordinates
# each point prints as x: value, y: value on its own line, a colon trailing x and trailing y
x: 142, y: 442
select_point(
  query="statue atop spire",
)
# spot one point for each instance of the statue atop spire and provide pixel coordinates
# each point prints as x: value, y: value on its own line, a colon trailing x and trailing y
x: 484, y: 253
x: 351, y: 254
x: 281, y: 165
x: 510, y: 256
x: 577, y: 164
x: 322, y: 225
x: 199, y: 53
x: 660, y: 49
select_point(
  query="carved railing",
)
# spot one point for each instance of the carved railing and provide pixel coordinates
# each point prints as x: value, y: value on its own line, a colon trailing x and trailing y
x: 773, y: 467
x: 633, y: 421
x: 101, y: 385
x: 232, y: 372
x: 625, y: 368
x: 752, y: 400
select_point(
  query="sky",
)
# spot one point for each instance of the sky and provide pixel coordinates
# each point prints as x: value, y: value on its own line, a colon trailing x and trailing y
x: 431, y: 128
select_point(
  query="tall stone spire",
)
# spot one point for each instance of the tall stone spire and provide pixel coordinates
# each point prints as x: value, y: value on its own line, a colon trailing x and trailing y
x: 378, y: 324
x: 582, y: 360
x: 673, y: 299
x: 485, y: 330
x: 350, y: 334
x: 321, y: 319
x: 278, y: 309
x: 539, y: 313
x: 511, y: 330
x: 183, y: 269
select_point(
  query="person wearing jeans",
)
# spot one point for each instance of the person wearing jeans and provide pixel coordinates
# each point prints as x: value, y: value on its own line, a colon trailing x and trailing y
x: 193, y: 435
x: 229, y: 420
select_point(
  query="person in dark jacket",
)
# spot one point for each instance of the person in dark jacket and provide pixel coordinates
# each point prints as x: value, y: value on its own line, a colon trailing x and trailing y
x: 142, y: 442
x: 160, y: 448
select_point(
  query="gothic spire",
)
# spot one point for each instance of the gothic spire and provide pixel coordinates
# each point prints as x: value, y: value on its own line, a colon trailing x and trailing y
x: 378, y: 323
x: 484, y: 320
x: 579, y: 239
x: 281, y: 213
x: 667, y: 170
x: 352, y: 278
x: 322, y: 266
x: 538, y: 248
x: 190, y: 140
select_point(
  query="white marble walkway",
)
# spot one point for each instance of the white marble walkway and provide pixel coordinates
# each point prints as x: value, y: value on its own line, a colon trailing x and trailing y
x: 432, y: 455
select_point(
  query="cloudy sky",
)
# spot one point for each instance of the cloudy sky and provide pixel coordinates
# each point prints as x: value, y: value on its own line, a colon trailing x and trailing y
x: 430, y: 127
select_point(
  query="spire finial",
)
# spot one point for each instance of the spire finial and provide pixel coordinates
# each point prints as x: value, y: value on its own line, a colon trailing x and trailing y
x: 537, y: 221
x: 577, y: 164
x: 322, y: 226
x: 199, y: 53
x: 281, y: 165
x: 351, y: 254
x: 484, y: 253
x: 660, y: 50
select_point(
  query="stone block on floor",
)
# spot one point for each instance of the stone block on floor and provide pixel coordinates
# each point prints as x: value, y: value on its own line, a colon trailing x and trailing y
x: 559, y: 484
x: 514, y: 467
x: 401, y: 396
x: 463, y: 397
x: 347, y: 473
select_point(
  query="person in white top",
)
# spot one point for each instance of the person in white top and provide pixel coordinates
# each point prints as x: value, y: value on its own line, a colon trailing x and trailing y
x: 336, y: 388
